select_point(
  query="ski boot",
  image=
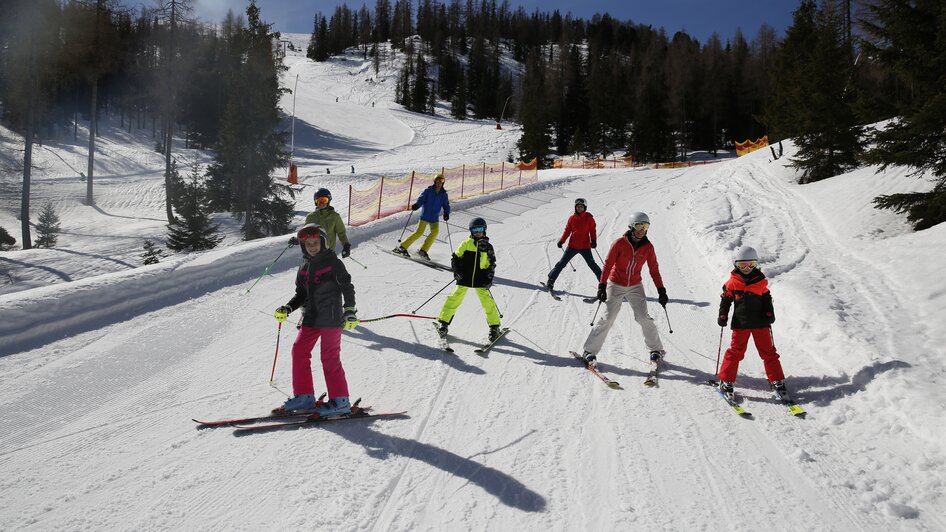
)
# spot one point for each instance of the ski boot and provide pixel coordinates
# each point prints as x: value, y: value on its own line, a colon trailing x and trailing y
x: 656, y: 357
x: 550, y: 284
x: 494, y: 333
x: 442, y: 329
x: 401, y: 251
x: 339, y: 406
x: 727, y: 389
x: 590, y: 359
x: 423, y: 254
x: 299, y: 403
x: 778, y: 388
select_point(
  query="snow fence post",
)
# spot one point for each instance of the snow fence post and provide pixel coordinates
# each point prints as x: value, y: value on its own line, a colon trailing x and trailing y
x: 462, y: 179
x: 483, y: 190
x: 349, y: 205
x: 502, y: 176
x: 380, y: 196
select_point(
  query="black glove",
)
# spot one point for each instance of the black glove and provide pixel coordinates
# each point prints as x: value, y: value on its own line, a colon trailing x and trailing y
x: 293, y: 241
x: 446, y: 217
x: 415, y: 207
x: 483, y: 244
x: 594, y: 243
x: 560, y: 244
x: 722, y: 320
x: 771, y: 318
x: 603, y: 292
x: 457, y: 276
x: 346, y: 250
x: 662, y: 297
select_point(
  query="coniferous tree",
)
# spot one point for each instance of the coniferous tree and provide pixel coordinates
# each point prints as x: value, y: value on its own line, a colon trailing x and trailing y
x: 6, y: 240
x: 910, y: 39
x: 536, y: 140
x: 47, y: 227
x: 458, y: 103
x: 787, y: 73
x: 830, y: 142
x: 192, y: 230
x: 251, y: 145
x: 419, y: 88
x: 152, y: 254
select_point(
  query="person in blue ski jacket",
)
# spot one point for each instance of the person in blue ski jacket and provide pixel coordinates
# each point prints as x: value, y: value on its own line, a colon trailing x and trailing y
x: 431, y: 201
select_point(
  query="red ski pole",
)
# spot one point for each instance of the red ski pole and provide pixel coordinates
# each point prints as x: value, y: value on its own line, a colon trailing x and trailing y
x: 271, y: 375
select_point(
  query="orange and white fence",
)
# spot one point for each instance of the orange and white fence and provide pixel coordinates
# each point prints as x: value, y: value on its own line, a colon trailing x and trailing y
x: 393, y: 195
x: 749, y: 146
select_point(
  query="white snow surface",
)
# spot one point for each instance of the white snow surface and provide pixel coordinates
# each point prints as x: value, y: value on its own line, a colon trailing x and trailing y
x: 103, y: 364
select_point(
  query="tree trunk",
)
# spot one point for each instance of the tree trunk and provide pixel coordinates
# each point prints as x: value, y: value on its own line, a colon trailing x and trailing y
x: 93, y: 127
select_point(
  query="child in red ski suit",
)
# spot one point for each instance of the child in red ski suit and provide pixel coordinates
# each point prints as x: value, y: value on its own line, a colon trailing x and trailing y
x: 747, y: 291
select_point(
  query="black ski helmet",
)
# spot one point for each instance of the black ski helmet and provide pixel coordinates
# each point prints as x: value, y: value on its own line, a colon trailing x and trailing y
x: 478, y: 222
x: 323, y: 193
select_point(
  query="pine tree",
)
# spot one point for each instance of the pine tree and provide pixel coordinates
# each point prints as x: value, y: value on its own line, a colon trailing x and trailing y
x: 419, y: 90
x: 151, y: 254
x: 458, y: 103
x: 47, y: 227
x: 830, y: 142
x: 911, y: 41
x: 787, y: 73
x: 536, y: 140
x: 192, y: 230
x: 250, y: 144
x: 6, y: 239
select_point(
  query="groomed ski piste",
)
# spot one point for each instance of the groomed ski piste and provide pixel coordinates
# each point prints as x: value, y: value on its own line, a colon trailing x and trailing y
x: 101, y: 373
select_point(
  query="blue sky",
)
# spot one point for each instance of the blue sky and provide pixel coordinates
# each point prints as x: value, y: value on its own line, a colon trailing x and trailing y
x: 699, y: 18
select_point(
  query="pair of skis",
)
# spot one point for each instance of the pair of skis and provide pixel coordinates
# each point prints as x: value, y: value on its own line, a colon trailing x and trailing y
x: 293, y: 419
x: 650, y: 381
x: 793, y: 408
x: 557, y: 297
x: 482, y: 350
x: 425, y: 262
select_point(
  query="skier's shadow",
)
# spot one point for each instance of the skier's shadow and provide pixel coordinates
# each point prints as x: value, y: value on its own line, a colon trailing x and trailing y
x: 377, y: 342
x: 504, y: 487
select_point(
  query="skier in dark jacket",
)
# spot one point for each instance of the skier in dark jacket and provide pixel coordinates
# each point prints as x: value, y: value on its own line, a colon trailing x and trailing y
x: 747, y: 291
x: 474, y: 264
x: 431, y: 201
x: 581, y: 233
x: 325, y: 293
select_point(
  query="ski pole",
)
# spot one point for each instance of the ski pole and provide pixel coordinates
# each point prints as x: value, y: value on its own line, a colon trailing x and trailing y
x: 599, y: 256
x: 433, y: 296
x: 719, y: 350
x: 449, y: 240
x: 668, y: 320
x: 405, y: 226
x: 273, y: 373
x: 596, y: 314
x: 494, y: 301
x: 356, y: 262
x: 291, y: 243
x: 399, y: 316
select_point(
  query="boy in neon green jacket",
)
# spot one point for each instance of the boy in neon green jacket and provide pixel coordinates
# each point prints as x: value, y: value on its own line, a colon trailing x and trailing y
x: 474, y: 264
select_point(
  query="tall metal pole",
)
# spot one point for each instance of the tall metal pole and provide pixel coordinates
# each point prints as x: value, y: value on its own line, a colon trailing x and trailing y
x: 292, y: 135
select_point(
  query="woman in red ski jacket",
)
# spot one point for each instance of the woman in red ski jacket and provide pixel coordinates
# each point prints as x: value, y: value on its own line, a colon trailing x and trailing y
x: 582, y: 235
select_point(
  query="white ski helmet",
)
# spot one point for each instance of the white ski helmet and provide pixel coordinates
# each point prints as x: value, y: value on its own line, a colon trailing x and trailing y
x: 745, y: 253
x: 638, y: 218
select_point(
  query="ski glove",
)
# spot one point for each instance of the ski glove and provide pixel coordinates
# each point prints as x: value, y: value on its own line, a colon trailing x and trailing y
x: 346, y: 250
x: 662, y: 297
x: 457, y: 276
x: 446, y: 217
x: 282, y: 313
x: 722, y: 320
x: 594, y: 243
x: 415, y: 207
x: 560, y: 244
x: 351, y: 320
x: 293, y: 241
x: 603, y: 292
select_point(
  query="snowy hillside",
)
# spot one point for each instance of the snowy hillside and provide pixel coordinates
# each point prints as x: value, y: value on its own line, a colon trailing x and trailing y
x: 102, y: 375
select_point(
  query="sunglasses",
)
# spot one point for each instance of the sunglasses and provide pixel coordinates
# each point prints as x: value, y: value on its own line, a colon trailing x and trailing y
x: 477, y: 229
x: 746, y: 264
x: 642, y: 226
x: 321, y: 201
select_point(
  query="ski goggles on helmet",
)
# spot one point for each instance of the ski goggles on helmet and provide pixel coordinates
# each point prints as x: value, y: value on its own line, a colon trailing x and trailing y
x: 439, y: 178
x: 641, y: 226
x: 746, y: 264
x: 309, y: 233
x: 321, y: 201
x: 478, y: 229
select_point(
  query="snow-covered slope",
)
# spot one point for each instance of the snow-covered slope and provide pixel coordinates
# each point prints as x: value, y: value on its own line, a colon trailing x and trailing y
x: 101, y: 376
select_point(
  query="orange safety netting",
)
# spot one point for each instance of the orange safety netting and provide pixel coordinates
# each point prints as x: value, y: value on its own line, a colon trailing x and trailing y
x: 389, y: 196
x: 749, y: 146
x: 626, y: 162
